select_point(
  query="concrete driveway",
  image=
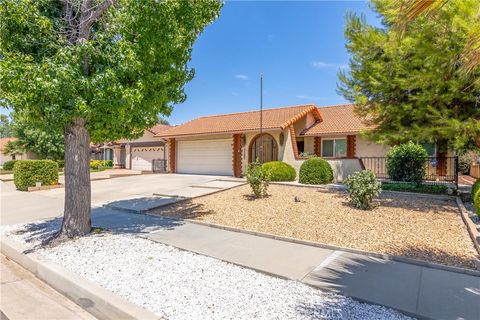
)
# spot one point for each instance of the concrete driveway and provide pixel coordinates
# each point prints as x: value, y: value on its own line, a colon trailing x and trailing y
x: 20, y: 207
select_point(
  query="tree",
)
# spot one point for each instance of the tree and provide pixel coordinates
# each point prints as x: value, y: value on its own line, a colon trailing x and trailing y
x: 13, y: 147
x: 414, y: 86
x: 45, y: 142
x: 5, y: 126
x: 97, y: 71
x: 162, y: 120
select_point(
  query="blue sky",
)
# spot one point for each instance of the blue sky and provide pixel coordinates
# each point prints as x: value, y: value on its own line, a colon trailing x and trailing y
x: 298, y: 46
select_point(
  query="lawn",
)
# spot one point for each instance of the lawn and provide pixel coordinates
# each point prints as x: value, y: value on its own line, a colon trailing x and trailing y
x: 421, y: 228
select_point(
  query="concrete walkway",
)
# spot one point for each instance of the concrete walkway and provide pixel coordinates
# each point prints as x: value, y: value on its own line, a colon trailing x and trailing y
x: 412, y: 289
x: 24, y: 297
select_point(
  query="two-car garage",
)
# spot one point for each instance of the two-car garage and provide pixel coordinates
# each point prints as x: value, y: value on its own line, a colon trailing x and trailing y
x: 204, y: 157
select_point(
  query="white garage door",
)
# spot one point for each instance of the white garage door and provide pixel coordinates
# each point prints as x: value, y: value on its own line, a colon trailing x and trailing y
x: 142, y: 157
x: 205, y: 157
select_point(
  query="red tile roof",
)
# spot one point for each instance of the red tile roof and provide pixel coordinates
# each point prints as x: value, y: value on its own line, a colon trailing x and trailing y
x: 337, y: 119
x: 278, y: 118
x: 159, y: 128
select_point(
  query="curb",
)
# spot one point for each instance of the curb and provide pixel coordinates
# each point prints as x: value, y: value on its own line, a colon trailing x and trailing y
x: 383, y: 256
x: 94, y: 299
x: 471, y: 227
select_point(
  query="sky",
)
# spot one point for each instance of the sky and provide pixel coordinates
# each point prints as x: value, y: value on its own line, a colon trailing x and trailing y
x: 297, y: 46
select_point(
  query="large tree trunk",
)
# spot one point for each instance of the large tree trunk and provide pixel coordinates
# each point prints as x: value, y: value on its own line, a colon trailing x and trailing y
x: 76, y: 218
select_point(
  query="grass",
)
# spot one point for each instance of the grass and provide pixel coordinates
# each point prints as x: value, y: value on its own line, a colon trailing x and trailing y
x: 412, y: 187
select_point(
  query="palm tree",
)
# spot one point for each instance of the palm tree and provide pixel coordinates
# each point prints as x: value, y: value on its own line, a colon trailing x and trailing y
x: 409, y: 10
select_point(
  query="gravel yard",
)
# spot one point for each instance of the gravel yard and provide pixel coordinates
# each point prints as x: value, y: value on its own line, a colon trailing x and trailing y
x: 421, y: 228
x: 177, y: 284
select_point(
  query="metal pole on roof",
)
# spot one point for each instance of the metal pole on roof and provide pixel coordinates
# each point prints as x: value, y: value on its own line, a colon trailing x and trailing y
x: 261, y: 118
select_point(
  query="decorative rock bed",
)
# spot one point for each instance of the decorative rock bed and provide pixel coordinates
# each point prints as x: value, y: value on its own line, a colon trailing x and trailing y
x: 177, y: 284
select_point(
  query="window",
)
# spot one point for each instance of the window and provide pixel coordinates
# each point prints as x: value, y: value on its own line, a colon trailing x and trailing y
x: 334, y: 148
x: 300, y: 146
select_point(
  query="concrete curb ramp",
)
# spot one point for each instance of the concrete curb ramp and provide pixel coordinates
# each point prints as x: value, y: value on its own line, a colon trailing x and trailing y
x: 96, y: 300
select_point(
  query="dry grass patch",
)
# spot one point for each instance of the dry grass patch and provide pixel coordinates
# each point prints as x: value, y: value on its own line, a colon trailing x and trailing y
x: 421, y: 228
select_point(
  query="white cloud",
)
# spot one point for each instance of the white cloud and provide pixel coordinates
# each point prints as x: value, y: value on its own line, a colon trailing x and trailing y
x: 321, y: 64
x: 307, y: 97
x: 241, y: 77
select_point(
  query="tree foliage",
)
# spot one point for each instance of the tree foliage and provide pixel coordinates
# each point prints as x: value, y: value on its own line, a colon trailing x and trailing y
x: 131, y: 68
x: 413, y: 86
x: 5, y: 126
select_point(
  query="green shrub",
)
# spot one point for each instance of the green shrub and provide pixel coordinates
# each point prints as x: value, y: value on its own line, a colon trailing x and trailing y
x: 279, y: 171
x: 61, y: 164
x: 26, y: 173
x: 476, y: 196
x: 315, y: 171
x: 107, y: 163
x: 464, y: 162
x: 8, y: 165
x: 363, y: 187
x: 258, y: 179
x: 95, y: 164
x: 406, y: 162
x: 413, y: 187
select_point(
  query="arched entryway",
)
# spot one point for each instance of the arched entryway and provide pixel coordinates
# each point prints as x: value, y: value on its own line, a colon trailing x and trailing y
x: 269, y: 145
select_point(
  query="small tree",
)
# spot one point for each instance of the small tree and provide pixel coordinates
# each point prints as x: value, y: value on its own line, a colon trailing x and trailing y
x: 407, y: 162
x: 258, y: 178
x: 96, y: 70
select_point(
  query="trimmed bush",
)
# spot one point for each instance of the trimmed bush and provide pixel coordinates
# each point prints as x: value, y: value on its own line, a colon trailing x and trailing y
x: 465, y: 160
x: 315, y: 171
x: 414, y: 187
x: 258, y: 179
x: 107, y: 163
x: 279, y: 171
x: 8, y: 165
x: 61, y: 164
x: 363, y: 187
x: 95, y: 164
x: 476, y: 196
x: 406, y: 162
x: 26, y: 173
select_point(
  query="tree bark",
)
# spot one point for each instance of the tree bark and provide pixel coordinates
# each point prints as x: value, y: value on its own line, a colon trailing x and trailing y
x: 76, y: 218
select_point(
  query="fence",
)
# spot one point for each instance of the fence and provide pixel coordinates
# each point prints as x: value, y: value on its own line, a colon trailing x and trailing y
x: 438, y: 170
x: 159, y: 165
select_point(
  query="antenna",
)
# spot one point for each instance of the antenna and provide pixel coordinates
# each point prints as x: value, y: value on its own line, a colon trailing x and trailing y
x: 261, y: 118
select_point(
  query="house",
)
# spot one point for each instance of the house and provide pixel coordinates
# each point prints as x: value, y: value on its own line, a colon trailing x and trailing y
x: 141, y: 154
x: 18, y: 156
x: 225, y: 144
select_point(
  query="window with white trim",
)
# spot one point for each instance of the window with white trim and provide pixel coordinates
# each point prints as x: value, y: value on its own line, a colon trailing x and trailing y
x: 334, y: 148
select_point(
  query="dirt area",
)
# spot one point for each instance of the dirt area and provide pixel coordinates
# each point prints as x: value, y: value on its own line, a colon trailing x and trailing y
x: 421, y: 228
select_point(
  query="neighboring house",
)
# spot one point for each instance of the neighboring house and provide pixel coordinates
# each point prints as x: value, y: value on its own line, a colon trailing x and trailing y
x: 139, y: 154
x: 225, y: 144
x: 18, y: 156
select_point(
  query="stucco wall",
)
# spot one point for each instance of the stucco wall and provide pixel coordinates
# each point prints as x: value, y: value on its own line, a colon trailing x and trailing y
x: 366, y: 148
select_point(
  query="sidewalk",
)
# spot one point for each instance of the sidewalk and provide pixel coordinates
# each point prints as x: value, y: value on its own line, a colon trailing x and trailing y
x: 415, y: 290
x: 24, y: 297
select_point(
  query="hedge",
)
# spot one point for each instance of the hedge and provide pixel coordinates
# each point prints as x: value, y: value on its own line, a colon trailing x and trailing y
x: 8, y: 165
x: 476, y: 196
x: 413, y: 187
x: 279, y: 171
x: 315, y: 171
x: 26, y: 173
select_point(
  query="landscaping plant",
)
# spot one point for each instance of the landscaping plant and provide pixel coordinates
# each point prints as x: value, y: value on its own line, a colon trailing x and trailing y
x: 8, y: 165
x: 258, y: 179
x: 96, y: 71
x: 363, y: 187
x: 407, y: 162
x: 414, y: 187
x: 476, y: 196
x: 26, y: 173
x: 315, y: 171
x: 279, y: 171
